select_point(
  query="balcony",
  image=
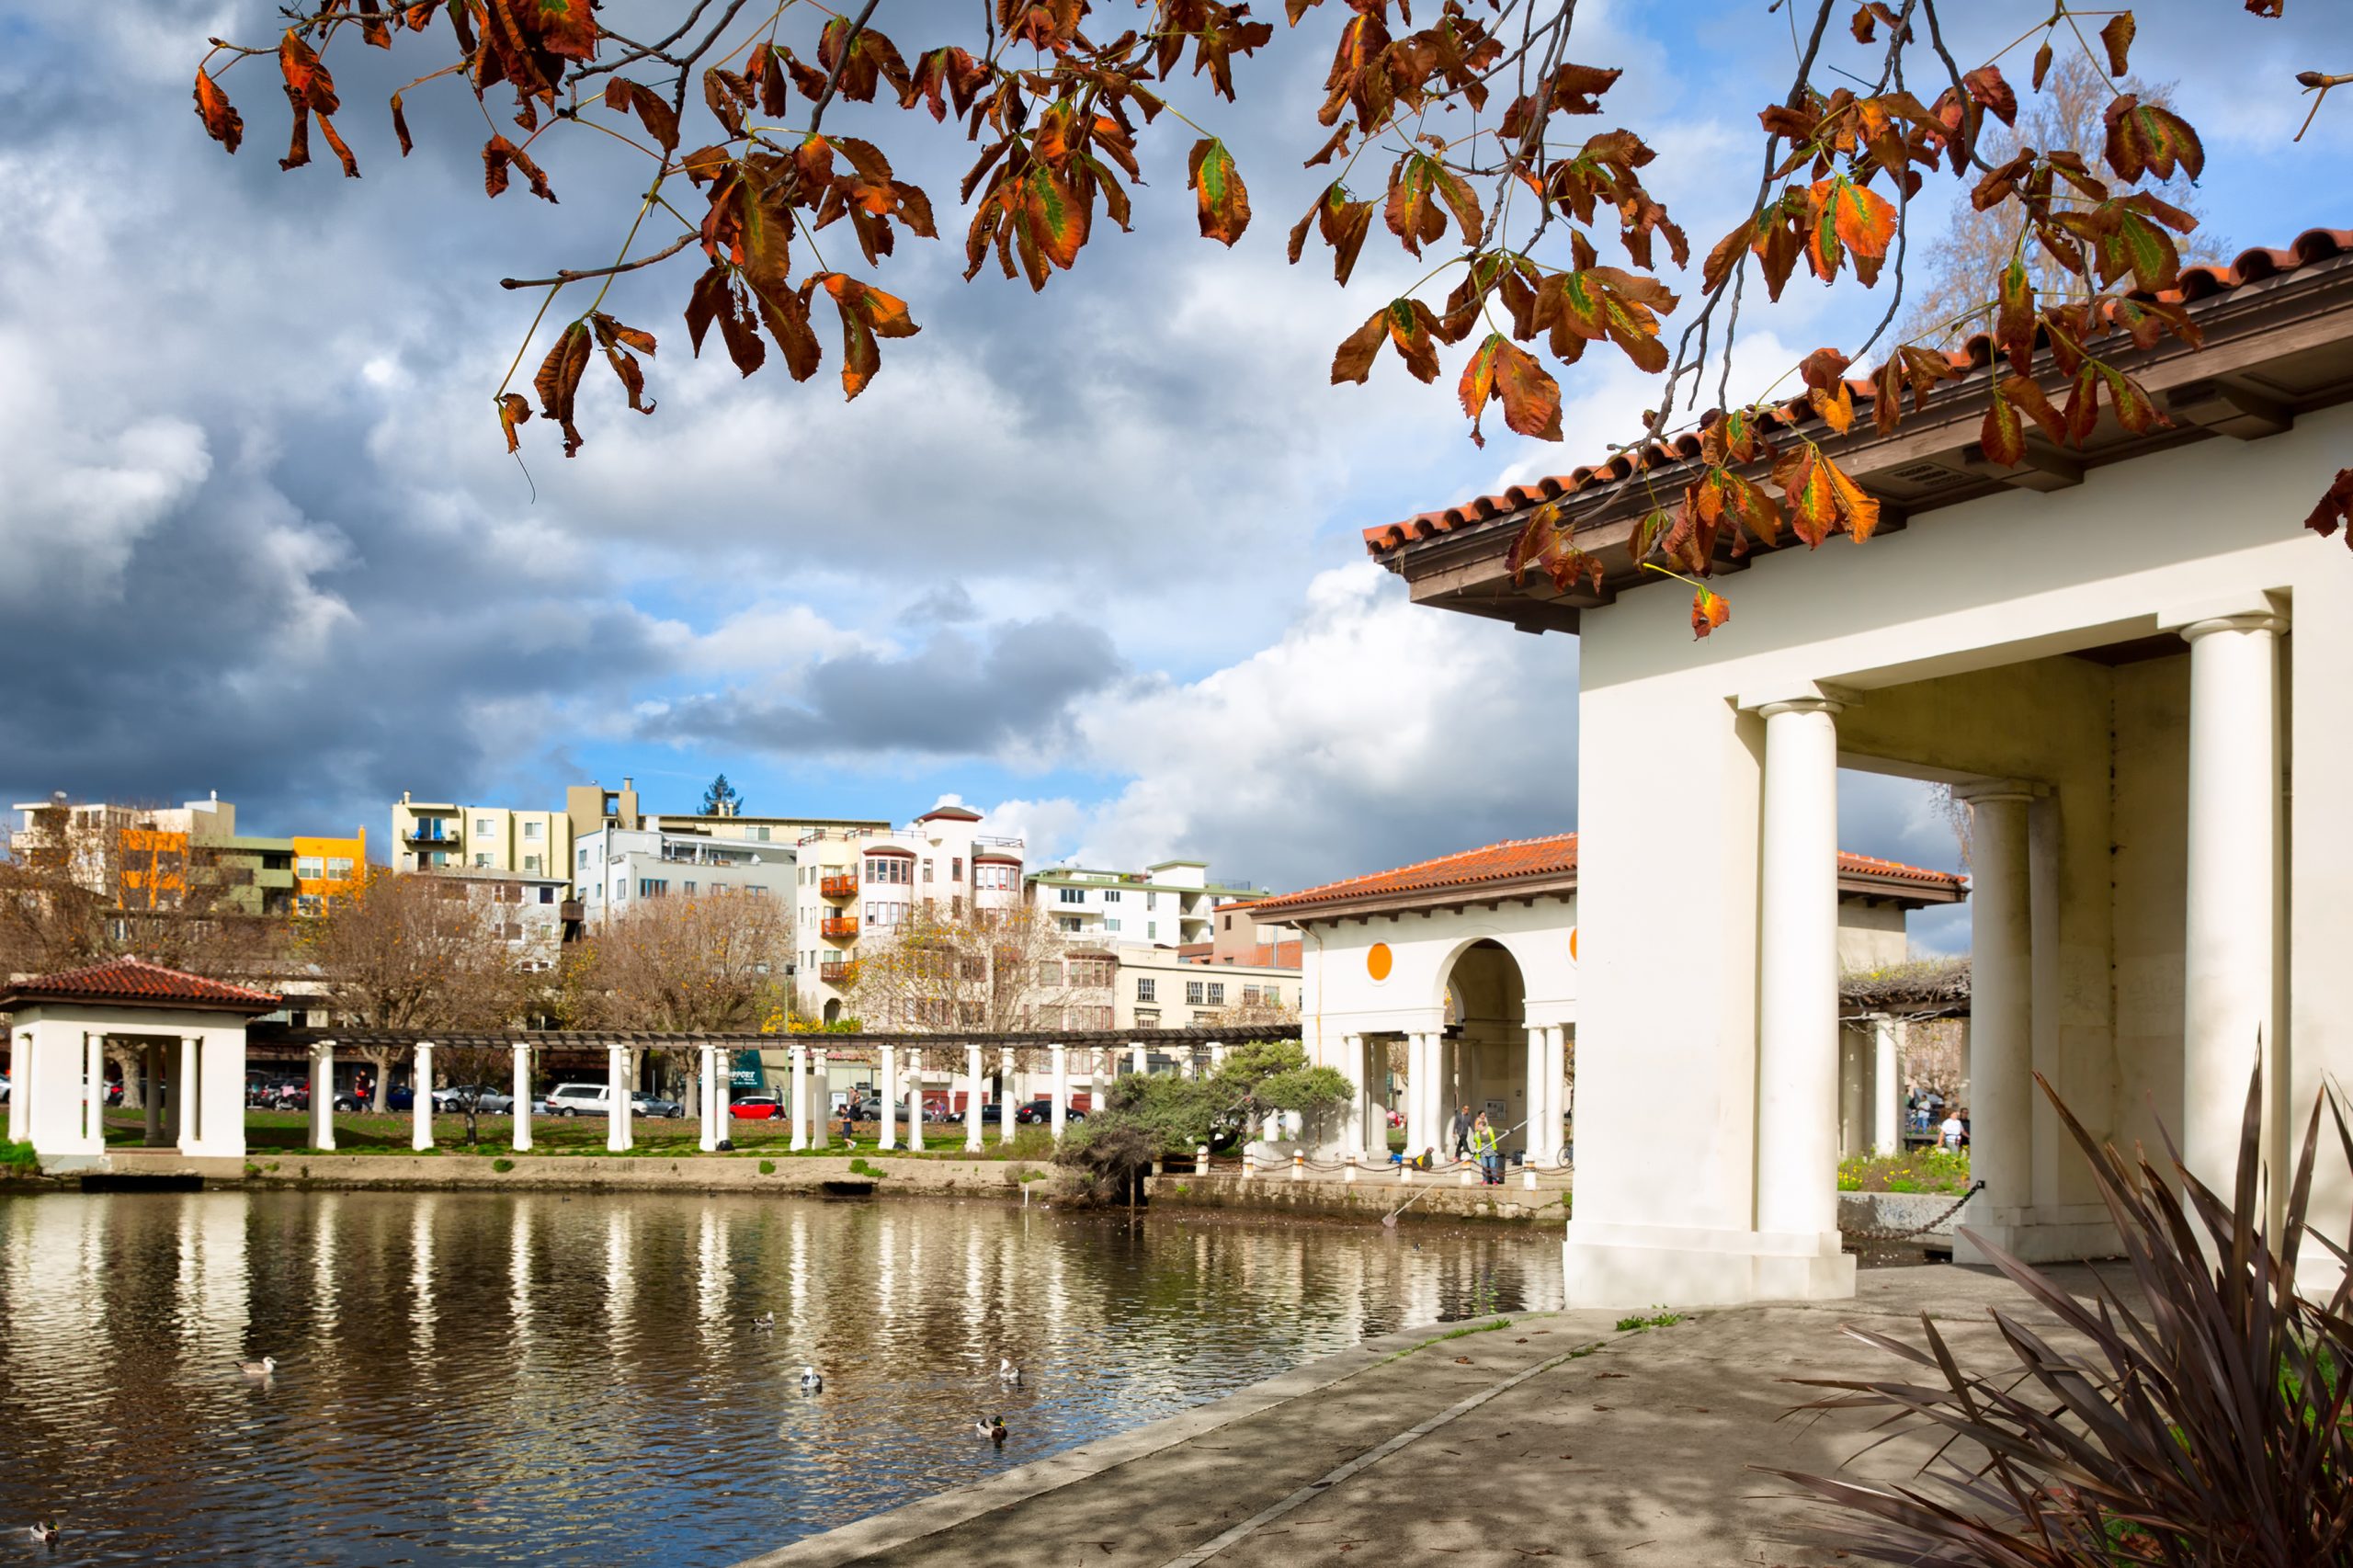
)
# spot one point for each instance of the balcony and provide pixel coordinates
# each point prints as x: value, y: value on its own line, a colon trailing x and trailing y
x: 838, y: 884
x: 838, y: 926
x: 835, y: 972
x: 431, y: 830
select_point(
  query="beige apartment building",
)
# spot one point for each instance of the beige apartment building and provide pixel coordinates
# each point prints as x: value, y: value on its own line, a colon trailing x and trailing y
x: 1171, y: 903
x: 1157, y: 988
x: 429, y: 836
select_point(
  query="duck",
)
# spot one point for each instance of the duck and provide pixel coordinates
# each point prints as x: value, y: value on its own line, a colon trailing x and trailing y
x: 44, y: 1531
x: 812, y: 1381
x: 261, y: 1369
x: 765, y: 1320
x: 1008, y: 1373
x: 992, y: 1429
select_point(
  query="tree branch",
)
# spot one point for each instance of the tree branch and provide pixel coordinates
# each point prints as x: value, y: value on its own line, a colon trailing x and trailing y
x: 572, y: 275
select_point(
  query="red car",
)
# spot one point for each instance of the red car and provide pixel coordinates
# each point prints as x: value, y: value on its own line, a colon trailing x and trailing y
x: 757, y: 1108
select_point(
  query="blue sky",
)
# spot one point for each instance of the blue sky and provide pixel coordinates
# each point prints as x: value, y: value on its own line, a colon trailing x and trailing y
x: 1089, y: 562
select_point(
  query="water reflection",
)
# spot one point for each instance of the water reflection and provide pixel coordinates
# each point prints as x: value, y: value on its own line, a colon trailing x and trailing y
x: 542, y: 1378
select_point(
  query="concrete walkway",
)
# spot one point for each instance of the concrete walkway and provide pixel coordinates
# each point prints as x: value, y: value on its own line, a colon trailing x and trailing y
x: 1558, y: 1437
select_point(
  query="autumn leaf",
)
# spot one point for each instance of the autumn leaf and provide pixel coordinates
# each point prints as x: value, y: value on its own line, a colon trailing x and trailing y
x: 2014, y: 314
x: 1343, y: 224
x: 1805, y: 483
x: 513, y: 410
x: 866, y: 314
x: 497, y: 154
x: 2151, y: 139
x: 308, y: 90
x: 1224, y: 201
x: 2118, y: 38
x: 1547, y: 541
x: 1864, y: 220
x: 2335, y: 508
x: 2003, y: 434
x: 653, y: 110
x: 558, y: 383
x: 1410, y: 324
x: 1857, y: 509
x: 1709, y: 610
x: 1501, y: 369
x: 617, y: 340
x: 222, y: 122
x: 1604, y: 302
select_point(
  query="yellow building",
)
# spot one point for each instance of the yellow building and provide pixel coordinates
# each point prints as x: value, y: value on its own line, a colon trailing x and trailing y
x: 444, y: 835
x: 324, y: 868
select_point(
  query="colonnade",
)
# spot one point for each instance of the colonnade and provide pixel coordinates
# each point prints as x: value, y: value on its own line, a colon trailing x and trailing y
x: 57, y: 1096
x: 1432, y: 1063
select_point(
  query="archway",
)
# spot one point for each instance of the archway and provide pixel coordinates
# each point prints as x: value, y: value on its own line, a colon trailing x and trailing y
x: 832, y: 1009
x: 1483, y: 1055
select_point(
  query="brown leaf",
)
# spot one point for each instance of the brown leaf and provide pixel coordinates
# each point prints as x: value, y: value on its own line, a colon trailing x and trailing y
x: 497, y: 154
x: 653, y: 110
x: 558, y: 383
x: 1353, y: 362
x: 1709, y: 610
x: 222, y: 122
x: 2117, y: 37
x: 2335, y: 508
x: 1223, y: 200
x: 513, y: 410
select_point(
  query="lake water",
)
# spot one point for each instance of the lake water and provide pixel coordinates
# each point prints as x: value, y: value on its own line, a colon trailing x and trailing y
x: 529, y: 1378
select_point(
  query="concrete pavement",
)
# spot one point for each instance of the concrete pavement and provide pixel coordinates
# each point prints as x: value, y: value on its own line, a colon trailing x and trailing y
x: 1560, y: 1437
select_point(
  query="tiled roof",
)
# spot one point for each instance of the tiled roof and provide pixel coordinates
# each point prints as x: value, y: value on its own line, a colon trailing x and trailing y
x: 2196, y: 283
x: 952, y: 813
x: 136, y: 979
x: 1557, y: 855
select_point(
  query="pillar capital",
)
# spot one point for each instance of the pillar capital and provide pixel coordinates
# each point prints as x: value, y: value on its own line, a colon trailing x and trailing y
x: 2247, y: 611
x: 1795, y: 696
x: 1983, y: 791
x: 2259, y: 621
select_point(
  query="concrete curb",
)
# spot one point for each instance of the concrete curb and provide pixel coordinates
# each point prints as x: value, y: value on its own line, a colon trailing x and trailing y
x: 802, y: 1174
x: 914, y: 1521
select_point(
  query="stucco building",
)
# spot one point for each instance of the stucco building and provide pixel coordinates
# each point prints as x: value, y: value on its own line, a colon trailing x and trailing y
x: 2128, y: 657
x: 1172, y: 902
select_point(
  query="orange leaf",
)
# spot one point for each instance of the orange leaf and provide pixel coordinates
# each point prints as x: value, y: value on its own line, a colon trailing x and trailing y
x: 1223, y: 200
x: 222, y: 122
x: 2117, y: 37
x: 513, y: 410
x: 1709, y: 610
x: 558, y: 383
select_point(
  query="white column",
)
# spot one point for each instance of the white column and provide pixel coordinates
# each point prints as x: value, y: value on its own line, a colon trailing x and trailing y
x: 821, y: 1099
x: 796, y: 1098
x: 1419, y: 1075
x: 322, y: 1094
x: 617, y: 1120
x: 94, y: 1091
x: 972, y: 1099
x: 1217, y: 1055
x: 2001, y: 998
x: 1352, y: 1116
x: 886, y: 1089
x: 21, y: 1086
x: 1887, y: 1095
x: 1854, y: 1091
x: 1539, y: 1097
x: 522, y: 1096
x: 707, y: 1099
x: 420, y: 1105
x: 1060, y: 1114
x: 1797, y: 1021
x: 914, y: 1102
x: 1563, y: 1116
x: 1139, y: 1062
x: 187, y: 1094
x: 1005, y: 1097
x: 2231, y: 989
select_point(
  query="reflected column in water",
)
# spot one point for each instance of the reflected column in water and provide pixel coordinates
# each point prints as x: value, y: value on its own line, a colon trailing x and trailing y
x: 886, y: 1089
x: 914, y: 1100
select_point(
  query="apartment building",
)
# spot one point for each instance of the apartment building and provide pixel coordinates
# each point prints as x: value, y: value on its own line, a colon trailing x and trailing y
x: 170, y: 857
x: 429, y: 836
x: 615, y: 868
x: 1158, y: 988
x: 1238, y: 937
x: 591, y: 807
x: 1171, y: 903
x: 859, y: 885
x: 326, y: 868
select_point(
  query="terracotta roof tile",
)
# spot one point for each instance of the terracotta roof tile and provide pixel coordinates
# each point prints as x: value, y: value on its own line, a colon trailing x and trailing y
x: 1527, y: 858
x: 136, y: 979
x: 2196, y: 283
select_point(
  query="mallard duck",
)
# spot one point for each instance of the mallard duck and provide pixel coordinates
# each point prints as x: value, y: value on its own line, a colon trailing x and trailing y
x: 765, y: 1320
x: 261, y: 1369
x: 44, y: 1531
x: 812, y: 1381
x: 992, y: 1429
x: 1008, y: 1373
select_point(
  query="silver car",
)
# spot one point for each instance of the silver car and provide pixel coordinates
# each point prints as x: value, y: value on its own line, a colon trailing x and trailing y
x: 451, y: 1101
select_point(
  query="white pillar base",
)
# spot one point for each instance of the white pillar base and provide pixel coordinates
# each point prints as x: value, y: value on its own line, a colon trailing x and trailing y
x: 2066, y: 1232
x: 1641, y: 1266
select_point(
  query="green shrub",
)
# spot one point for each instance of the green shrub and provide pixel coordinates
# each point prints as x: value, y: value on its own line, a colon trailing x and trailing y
x: 502, y: 1165
x: 1915, y: 1170
x: 859, y: 1167
x: 767, y: 1167
x: 18, y: 1156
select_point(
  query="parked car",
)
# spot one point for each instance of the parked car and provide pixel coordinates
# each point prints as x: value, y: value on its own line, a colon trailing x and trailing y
x: 492, y: 1102
x: 400, y: 1097
x: 650, y: 1104
x: 756, y: 1107
x: 580, y: 1099
x: 4, y: 1088
x: 1040, y: 1113
x: 349, y: 1099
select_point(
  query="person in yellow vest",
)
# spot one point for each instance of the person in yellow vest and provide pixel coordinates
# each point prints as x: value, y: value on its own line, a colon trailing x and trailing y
x: 1488, y: 1148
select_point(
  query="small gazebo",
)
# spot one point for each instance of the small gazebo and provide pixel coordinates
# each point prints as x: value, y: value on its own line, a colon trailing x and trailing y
x: 186, y: 1038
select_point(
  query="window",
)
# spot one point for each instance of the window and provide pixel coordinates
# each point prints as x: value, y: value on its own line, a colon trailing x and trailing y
x: 307, y: 904
x: 1110, y: 895
x: 754, y: 888
x: 1147, y: 1017
x: 1152, y: 901
x: 1217, y: 994
x: 1092, y: 973
x: 1147, y: 988
x: 1050, y: 972
x: 310, y: 868
x: 1072, y: 895
x: 763, y: 834
x: 531, y: 862
x: 891, y: 868
x: 688, y: 890
x: 956, y: 869
x: 484, y: 827
x: 886, y: 914
x: 1111, y: 925
x: 926, y: 868
x: 1066, y: 922
x: 547, y: 895
x: 584, y: 859
x: 652, y: 887
x: 1193, y: 993
x: 482, y: 858
x: 1090, y: 1017
x: 1050, y: 1017
x: 1229, y: 922
x: 1152, y: 930
x: 530, y: 830
x: 340, y: 868
x: 993, y: 875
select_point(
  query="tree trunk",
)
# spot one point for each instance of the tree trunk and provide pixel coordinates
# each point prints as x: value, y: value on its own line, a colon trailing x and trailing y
x: 381, y: 1060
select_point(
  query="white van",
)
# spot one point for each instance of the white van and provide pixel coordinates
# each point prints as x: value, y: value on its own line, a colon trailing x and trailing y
x: 580, y: 1099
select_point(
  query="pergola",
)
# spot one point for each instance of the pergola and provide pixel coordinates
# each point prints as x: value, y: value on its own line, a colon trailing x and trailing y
x: 1016, y: 1053
x: 187, y: 1037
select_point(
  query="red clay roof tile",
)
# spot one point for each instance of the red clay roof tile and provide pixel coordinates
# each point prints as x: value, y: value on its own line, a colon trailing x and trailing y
x: 2196, y: 283
x: 1519, y: 858
x: 136, y: 979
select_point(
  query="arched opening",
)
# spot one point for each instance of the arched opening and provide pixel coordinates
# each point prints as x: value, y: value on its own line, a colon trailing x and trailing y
x: 833, y: 1010
x: 1482, y: 1057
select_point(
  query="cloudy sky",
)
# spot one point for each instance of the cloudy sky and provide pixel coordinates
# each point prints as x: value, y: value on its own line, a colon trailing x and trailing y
x: 1089, y: 561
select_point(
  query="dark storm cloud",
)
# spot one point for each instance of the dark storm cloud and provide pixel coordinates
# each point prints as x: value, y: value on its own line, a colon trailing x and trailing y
x: 1007, y: 686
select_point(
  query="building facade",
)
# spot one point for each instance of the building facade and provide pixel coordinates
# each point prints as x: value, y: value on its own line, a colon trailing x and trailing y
x: 590, y: 807
x: 1159, y: 988
x: 615, y: 868
x: 1171, y: 903
x: 859, y: 885
x: 326, y: 869
x: 430, y: 835
x: 2123, y: 654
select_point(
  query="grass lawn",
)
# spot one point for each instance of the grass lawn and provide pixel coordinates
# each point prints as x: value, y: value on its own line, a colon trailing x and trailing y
x: 360, y: 1133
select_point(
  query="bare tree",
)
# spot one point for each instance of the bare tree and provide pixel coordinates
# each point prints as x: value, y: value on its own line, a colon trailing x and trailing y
x: 983, y: 969
x: 711, y: 964
x: 413, y: 952
x: 1947, y: 287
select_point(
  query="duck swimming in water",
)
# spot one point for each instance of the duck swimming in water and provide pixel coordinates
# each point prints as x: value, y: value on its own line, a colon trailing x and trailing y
x: 812, y: 1381
x: 261, y: 1369
x: 44, y: 1531
x: 765, y: 1320
x: 992, y: 1429
x: 1008, y: 1373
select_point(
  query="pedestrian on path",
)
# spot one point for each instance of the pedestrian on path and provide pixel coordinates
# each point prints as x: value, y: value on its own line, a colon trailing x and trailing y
x: 1457, y: 1132
x: 1955, y: 1131
x: 1485, y: 1143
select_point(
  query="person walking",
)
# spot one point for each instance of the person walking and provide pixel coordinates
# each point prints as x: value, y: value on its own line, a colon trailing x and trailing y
x: 1955, y: 1131
x: 1485, y: 1143
x: 1457, y: 1132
